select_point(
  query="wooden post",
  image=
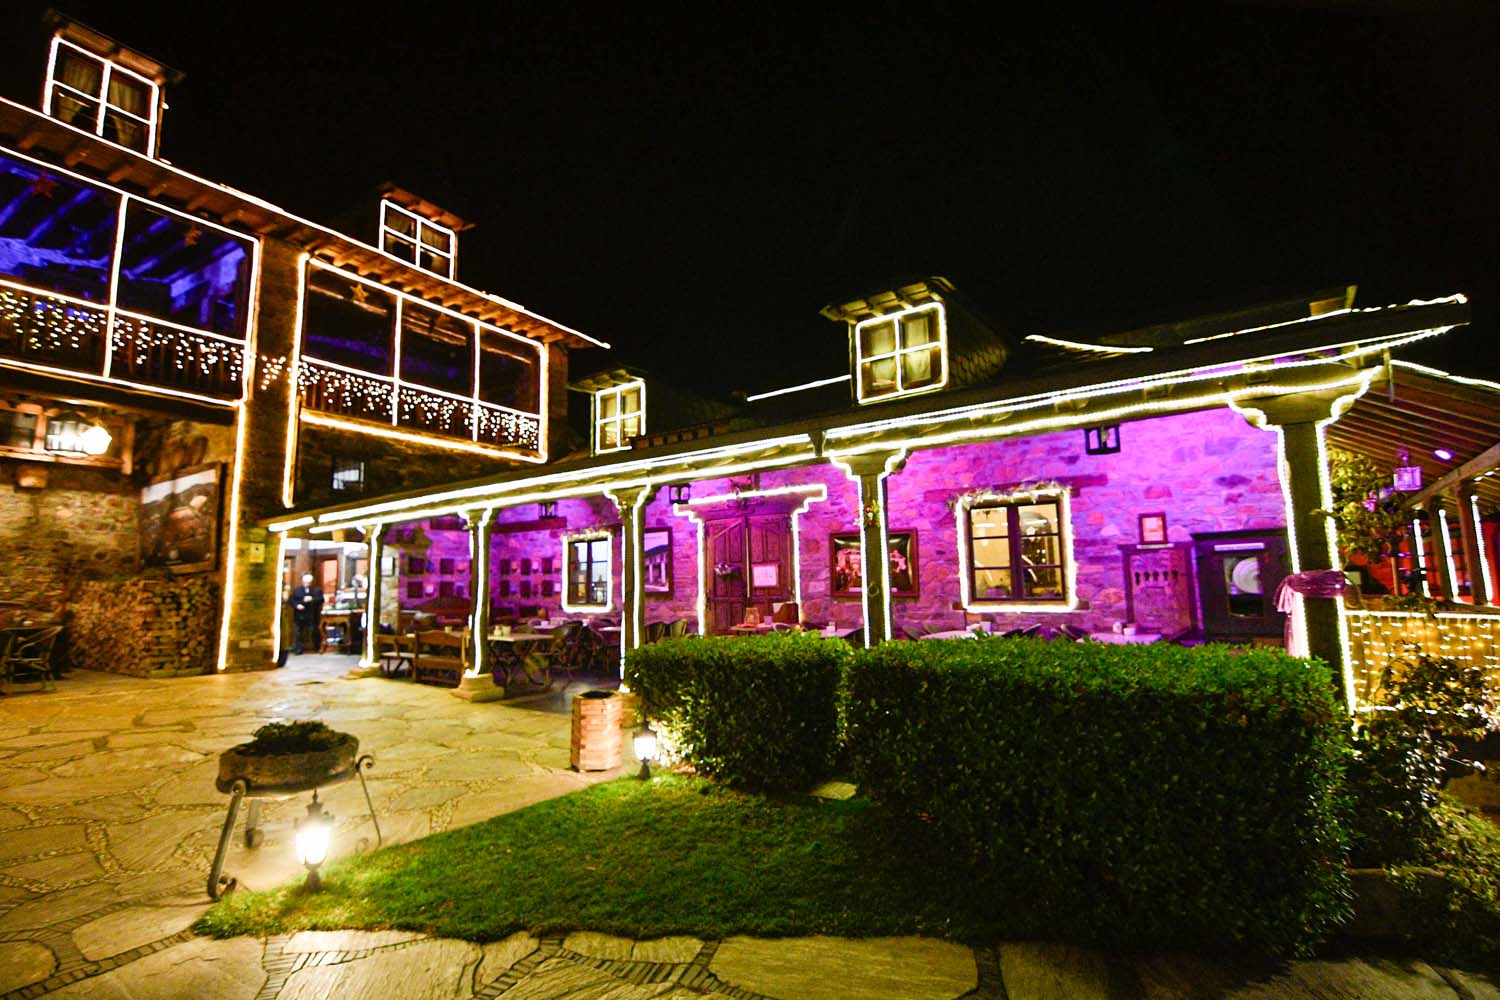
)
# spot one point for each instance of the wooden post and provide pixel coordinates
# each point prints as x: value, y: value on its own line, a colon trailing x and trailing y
x: 631, y: 504
x: 480, y: 524
x: 869, y: 472
x: 1473, y: 542
x: 1442, y: 548
x: 375, y: 547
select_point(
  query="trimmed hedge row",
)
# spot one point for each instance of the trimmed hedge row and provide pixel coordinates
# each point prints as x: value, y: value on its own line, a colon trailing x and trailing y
x: 1125, y: 795
x: 1134, y: 795
x: 757, y: 711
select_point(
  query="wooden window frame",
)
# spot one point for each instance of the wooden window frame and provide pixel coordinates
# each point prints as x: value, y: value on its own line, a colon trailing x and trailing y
x: 618, y: 420
x: 450, y: 256
x: 900, y: 352
x: 152, y: 120
x: 589, y: 566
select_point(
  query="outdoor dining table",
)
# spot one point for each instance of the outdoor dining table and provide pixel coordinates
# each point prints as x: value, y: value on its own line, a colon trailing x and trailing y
x: 508, y: 655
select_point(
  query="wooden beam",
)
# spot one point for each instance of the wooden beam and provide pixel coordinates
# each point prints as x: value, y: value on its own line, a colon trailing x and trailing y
x: 1475, y: 466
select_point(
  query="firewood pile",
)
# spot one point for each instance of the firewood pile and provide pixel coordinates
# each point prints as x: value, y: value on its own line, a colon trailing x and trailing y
x: 145, y: 627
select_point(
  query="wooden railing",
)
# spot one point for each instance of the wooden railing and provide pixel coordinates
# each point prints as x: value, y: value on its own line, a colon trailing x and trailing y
x: 1380, y: 639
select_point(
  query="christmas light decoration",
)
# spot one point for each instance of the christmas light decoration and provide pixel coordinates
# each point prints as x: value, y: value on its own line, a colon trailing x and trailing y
x: 1080, y: 346
x: 1384, y: 640
x: 899, y: 353
x: 1029, y: 493
x: 816, y: 384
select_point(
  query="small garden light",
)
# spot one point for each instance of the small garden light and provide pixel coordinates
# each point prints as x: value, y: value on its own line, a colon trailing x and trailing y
x: 314, y: 832
x: 645, y: 749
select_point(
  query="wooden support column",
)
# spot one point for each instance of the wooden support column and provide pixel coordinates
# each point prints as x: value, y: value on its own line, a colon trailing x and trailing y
x: 375, y: 547
x: 1302, y: 462
x: 481, y: 525
x: 1441, y: 556
x: 1481, y: 581
x: 870, y: 471
x: 631, y: 504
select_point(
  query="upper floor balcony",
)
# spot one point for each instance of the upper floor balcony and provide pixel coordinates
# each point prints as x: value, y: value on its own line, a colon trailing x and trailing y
x: 107, y: 286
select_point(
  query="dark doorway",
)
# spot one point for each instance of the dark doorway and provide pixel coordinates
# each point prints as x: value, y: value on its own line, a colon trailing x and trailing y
x: 1238, y: 573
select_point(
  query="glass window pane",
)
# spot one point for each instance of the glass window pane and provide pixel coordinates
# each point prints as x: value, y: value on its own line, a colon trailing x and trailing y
x: 916, y: 330
x: 609, y: 403
x: 436, y: 264
x: 400, y: 222
x: 436, y: 238
x: 347, y: 322
x: 1042, y: 582
x: 79, y: 71
x: 629, y: 428
x: 125, y: 130
x: 17, y: 429
x: 55, y: 233
x: 609, y: 434
x: 1039, y: 518
x: 129, y: 94
x: 509, y: 376
x: 992, y: 584
x: 921, y: 368
x: 75, y: 110
x: 1243, y: 588
x: 991, y: 552
x: 398, y: 247
x: 990, y: 521
x: 436, y: 350
x: 878, y: 377
x: 630, y: 400
x: 180, y: 270
x: 877, y: 338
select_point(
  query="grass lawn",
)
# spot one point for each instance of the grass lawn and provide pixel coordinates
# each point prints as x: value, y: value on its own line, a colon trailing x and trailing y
x: 676, y: 855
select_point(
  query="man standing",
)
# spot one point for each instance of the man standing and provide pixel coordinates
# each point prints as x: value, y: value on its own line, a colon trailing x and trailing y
x: 307, y: 613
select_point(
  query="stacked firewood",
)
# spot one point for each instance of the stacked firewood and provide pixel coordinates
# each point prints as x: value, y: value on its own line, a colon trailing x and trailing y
x: 145, y: 627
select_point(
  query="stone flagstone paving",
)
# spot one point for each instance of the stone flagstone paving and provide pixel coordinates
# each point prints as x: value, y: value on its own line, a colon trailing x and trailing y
x: 108, y: 816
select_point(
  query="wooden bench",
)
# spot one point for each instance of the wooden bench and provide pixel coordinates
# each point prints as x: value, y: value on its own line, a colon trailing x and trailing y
x: 441, y: 658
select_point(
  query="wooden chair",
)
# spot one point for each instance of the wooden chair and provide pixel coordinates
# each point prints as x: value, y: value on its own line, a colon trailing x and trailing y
x: 441, y: 658
x: 28, y: 658
x: 786, y: 613
x: 677, y: 628
x: 396, y: 654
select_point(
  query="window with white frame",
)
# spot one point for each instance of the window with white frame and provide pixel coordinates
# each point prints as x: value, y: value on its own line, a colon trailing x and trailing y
x: 101, y: 97
x: 417, y: 240
x: 619, y: 415
x: 587, y: 560
x: 1017, y: 551
x: 900, y: 353
x: 348, y: 475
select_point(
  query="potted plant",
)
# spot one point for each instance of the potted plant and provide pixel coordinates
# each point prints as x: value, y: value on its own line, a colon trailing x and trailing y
x: 288, y: 755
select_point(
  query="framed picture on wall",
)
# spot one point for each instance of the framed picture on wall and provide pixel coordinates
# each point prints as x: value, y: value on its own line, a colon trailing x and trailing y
x: 656, y: 561
x: 846, y: 574
x: 1154, y: 529
x: 180, y: 520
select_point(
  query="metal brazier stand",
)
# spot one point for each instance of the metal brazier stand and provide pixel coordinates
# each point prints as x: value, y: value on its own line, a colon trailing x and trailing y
x: 280, y: 776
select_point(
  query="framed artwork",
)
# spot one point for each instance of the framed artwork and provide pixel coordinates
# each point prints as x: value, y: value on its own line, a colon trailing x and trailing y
x: 180, y: 520
x: 1154, y: 529
x: 656, y: 561
x: 846, y: 575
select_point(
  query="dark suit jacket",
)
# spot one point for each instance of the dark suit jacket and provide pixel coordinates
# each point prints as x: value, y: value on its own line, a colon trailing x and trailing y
x: 311, y: 599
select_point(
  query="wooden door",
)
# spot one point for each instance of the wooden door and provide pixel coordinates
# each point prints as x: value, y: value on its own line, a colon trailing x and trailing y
x: 770, y: 561
x: 725, y: 591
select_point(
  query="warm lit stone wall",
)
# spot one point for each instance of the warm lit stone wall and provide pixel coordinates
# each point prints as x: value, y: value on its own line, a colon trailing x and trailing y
x: 145, y: 627
x: 84, y: 525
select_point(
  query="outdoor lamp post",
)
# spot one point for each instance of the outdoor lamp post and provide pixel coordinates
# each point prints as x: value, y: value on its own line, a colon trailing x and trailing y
x: 645, y: 749
x: 313, y: 835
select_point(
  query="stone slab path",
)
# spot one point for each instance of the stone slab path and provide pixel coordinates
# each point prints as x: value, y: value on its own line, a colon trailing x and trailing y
x: 108, y: 817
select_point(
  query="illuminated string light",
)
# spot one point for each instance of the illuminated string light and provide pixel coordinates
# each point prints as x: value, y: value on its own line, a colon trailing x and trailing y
x: 1080, y: 346
x: 1484, y: 558
x: 816, y: 384
x: 1385, y: 640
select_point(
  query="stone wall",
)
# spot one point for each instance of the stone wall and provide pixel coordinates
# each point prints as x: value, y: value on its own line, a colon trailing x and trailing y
x: 84, y: 525
x: 145, y: 627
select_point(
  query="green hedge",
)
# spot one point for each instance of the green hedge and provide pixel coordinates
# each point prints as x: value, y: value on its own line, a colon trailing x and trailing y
x: 756, y: 711
x: 1129, y: 795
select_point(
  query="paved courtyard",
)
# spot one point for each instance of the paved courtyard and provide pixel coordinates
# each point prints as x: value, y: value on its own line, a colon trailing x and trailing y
x: 108, y: 820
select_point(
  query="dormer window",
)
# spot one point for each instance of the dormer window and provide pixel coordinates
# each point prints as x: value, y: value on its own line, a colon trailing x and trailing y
x: 619, y: 415
x: 100, y: 96
x: 901, y: 353
x: 416, y: 240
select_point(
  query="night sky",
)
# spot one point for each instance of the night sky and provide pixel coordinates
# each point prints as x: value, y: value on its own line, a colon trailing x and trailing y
x: 693, y: 182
